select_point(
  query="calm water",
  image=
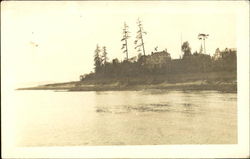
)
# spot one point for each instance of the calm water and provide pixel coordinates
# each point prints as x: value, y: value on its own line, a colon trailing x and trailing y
x: 47, y: 118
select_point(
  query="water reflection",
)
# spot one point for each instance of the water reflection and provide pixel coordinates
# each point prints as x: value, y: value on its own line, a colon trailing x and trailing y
x: 153, y: 101
x: 125, y: 118
x: 153, y: 107
x: 134, y: 108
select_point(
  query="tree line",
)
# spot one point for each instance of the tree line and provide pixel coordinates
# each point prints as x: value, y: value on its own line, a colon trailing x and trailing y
x: 195, y: 62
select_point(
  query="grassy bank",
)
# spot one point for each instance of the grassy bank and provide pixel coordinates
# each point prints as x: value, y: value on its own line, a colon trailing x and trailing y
x: 221, y: 81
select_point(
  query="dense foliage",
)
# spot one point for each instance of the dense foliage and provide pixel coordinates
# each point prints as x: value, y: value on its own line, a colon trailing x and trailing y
x: 190, y: 63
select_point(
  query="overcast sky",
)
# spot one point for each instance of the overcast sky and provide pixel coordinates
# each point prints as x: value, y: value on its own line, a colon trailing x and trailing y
x: 55, y: 41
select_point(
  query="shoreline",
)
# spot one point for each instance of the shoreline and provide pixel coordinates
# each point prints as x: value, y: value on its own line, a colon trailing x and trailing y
x: 230, y: 87
x: 218, y: 81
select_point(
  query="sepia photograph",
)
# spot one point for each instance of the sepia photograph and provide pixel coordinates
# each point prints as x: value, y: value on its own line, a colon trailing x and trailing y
x: 125, y: 79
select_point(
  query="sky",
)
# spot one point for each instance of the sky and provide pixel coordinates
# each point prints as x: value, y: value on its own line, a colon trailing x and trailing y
x: 55, y: 41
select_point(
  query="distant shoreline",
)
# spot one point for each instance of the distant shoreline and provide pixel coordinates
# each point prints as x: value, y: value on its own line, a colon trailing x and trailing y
x: 225, y: 87
x: 225, y: 82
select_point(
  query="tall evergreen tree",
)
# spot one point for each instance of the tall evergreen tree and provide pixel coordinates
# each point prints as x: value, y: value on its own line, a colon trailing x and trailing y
x: 124, y: 39
x: 104, y: 55
x: 97, y: 59
x: 139, y: 38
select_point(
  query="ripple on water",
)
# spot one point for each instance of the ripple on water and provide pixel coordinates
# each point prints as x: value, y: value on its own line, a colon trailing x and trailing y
x: 152, y: 107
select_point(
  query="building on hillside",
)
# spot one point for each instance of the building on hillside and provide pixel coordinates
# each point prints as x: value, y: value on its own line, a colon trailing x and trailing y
x: 218, y: 54
x: 232, y: 50
x: 157, y: 59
